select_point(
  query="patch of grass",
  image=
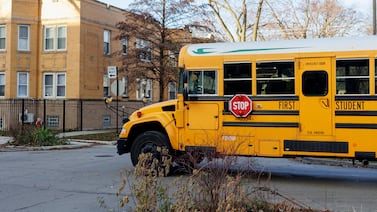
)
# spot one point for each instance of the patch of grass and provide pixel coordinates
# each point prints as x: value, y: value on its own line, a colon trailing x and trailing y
x: 108, y: 136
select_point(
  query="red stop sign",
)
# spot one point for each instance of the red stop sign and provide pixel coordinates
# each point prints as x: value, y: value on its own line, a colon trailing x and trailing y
x: 240, y: 105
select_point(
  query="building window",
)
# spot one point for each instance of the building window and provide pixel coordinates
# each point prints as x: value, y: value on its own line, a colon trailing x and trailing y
x: 144, y: 50
x: 352, y: 76
x: 48, y: 84
x: 2, y: 37
x: 106, y: 42
x: 22, y: 84
x: 125, y: 85
x: 54, y: 85
x: 60, y: 84
x: 145, y: 89
x: 62, y: 38
x: 54, y: 38
x: 23, y: 37
x: 172, y: 90
x: 275, y: 78
x: 106, y: 86
x: 106, y: 121
x: 237, y: 78
x: 52, y: 121
x: 49, y: 38
x: 124, y: 45
x: 2, y: 84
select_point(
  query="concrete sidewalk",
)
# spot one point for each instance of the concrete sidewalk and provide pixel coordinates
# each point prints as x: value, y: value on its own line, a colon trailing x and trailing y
x: 5, y: 140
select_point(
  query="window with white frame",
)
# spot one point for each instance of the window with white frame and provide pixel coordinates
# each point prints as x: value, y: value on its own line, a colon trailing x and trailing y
x: 22, y: 84
x: 23, y: 37
x: 125, y: 84
x: 55, y: 38
x: 2, y: 84
x: 172, y: 90
x: 62, y: 38
x: 124, y: 45
x: 54, y: 85
x: 2, y: 37
x: 49, y: 38
x: 144, y: 49
x: 106, y: 42
x: 144, y: 89
x: 60, y: 84
x: 106, y: 86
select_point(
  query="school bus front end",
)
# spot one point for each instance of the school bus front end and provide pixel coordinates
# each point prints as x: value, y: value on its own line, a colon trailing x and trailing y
x: 156, y: 122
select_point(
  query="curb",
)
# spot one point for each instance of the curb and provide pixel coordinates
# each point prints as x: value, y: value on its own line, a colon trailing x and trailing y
x: 336, y: 162
x: 73, y: 144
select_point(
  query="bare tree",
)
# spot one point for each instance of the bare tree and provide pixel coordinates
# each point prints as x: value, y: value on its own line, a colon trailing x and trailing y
x: 309, y: 19
x: 234, y: 19
x: 157, y: 32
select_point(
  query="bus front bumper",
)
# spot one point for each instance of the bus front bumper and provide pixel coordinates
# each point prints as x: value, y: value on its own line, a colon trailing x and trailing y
x: 123, y: 146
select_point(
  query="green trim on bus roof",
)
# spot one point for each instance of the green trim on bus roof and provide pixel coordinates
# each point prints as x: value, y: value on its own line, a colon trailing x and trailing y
x: 202, y: 51
x: 264, y: 49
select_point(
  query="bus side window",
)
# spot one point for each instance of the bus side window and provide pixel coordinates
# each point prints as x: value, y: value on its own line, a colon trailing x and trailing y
x: 202, y: 82
x: 352, y: 76
x: 194, y: 83
x: 275, y: 78
x: 209, y: 82
x: 237, y: 78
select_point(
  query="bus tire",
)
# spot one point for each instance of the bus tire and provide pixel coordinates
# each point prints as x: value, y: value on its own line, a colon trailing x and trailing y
x: 148, y: 142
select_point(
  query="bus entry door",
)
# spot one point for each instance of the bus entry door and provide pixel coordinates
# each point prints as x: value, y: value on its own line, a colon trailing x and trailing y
x: 315, y: 97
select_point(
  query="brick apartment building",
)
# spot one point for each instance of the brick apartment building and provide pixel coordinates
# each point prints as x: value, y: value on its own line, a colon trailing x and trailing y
x: 54, y: 61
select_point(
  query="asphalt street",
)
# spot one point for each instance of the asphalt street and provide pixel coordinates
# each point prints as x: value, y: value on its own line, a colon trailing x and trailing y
x: 79, y: 179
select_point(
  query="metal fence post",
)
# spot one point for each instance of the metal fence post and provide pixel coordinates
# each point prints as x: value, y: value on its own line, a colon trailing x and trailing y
x: 64, y: 115
x: 81, y: 114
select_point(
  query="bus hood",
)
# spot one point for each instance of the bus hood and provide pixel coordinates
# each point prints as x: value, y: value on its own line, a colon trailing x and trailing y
x: 166, y: 106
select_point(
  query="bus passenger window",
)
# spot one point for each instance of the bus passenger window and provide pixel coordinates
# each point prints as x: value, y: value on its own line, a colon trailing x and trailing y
x: 275, y: 78
x: 202, y: 82
x: 237, y: 78
x: 315, y: 83
x: 352, y: 76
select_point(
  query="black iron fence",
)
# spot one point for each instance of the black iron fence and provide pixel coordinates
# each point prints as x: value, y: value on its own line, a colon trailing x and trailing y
x: 65, y: 115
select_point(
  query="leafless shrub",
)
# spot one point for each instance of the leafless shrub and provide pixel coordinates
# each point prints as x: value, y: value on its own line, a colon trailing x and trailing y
x: 212, y: 187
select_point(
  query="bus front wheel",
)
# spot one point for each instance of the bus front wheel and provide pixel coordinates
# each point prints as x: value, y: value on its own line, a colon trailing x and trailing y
x: 149, y: 142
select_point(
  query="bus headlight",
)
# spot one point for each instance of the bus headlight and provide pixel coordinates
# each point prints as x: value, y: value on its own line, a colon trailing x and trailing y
x: 122, y: 132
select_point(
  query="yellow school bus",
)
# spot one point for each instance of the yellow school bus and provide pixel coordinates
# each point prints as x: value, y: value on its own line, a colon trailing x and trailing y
x: 313, y: 97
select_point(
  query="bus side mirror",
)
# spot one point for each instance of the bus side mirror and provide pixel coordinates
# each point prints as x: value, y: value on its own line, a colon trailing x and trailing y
x: 185, y: 92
